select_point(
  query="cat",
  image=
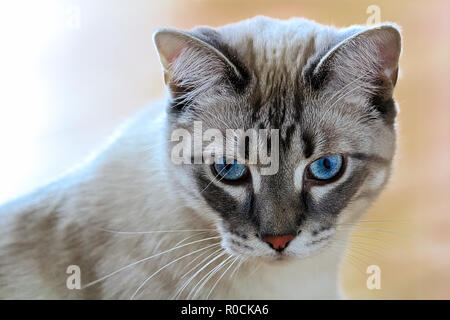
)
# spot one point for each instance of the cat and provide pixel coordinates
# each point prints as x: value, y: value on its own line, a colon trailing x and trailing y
x: 139, y: 226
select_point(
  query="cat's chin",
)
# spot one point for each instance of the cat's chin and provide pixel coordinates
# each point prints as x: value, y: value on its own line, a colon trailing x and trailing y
x: 277, y: 260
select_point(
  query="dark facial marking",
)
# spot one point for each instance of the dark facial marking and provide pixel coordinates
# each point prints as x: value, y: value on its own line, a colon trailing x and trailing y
x: 318, y: 240
x: 386, y: 108
x: 212, y: 37
x: 316, y: 80
x: 370, y: 157
x: 338, y: 198
x: 240, y: 244
x: 223, y: 203
x: 308, y: 144
x: 239, y: 234
x: 321, y: 229
x: 235, y: 214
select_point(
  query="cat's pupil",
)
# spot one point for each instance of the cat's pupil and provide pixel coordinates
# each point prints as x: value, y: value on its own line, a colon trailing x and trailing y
x: 327, y: 163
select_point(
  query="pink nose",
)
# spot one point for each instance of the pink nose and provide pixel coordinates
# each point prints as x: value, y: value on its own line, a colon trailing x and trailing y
x: 279, y: 242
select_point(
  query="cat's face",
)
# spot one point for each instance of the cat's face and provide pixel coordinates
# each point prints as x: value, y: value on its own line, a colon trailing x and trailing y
x: 329, y: 95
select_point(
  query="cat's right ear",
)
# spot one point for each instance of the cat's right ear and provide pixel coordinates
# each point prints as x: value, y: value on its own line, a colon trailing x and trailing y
x: 192, y: 66
x: 368, y: 60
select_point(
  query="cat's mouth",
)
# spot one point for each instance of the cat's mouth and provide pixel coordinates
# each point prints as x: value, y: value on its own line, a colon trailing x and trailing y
x: 298, y: 248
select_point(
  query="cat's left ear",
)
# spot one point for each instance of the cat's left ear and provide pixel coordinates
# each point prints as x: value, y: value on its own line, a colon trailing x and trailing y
x: 192, y: 64
x: 367, y: 60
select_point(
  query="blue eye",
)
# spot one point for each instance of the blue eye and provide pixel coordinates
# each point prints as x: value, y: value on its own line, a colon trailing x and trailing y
x: 326, y: 168
x: 230, y: 171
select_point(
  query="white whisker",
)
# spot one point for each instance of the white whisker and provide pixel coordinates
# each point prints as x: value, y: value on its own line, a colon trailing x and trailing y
x: 206, y: 258
x: 190, y: 237
x: 209, y: 275
x: 220, y: 278
x: 145, y: 259
x: 168, y: 264
x: 193, y: 290
x: 193, y: 260
x: 214, y: 179
x: 186, y: 283
x: 237, y: 267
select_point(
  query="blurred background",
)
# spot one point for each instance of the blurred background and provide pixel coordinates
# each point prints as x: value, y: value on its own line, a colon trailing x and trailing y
x: 71, y: 71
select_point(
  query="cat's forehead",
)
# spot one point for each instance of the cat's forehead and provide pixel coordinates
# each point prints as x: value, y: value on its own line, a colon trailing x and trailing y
x: 307, y: 128
x: 278, y: 57
x: 278, y: 51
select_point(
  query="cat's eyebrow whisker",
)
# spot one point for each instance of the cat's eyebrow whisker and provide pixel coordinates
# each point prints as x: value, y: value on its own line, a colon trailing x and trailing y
x: 220, y: 278
x: 145, y: 259
x: 167, y: 265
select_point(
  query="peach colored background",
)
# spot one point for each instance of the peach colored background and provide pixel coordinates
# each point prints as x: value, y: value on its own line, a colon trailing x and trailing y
x: 72, y: 70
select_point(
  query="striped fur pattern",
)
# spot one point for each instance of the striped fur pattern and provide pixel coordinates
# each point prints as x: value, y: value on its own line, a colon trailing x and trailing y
x: 328, y: 92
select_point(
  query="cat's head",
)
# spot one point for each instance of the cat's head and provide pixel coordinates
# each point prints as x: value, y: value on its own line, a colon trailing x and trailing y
x: 328, y: 92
